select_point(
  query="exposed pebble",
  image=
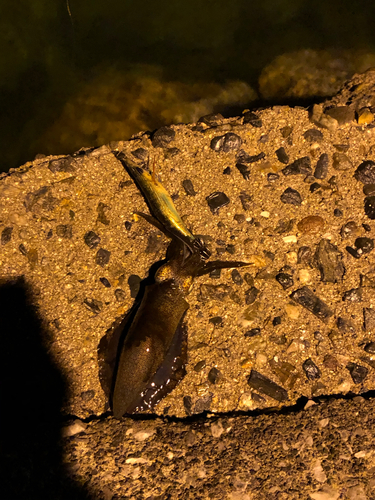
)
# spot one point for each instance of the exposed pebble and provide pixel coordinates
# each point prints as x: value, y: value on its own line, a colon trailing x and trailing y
x: 252, y: 333
x: 341, y: 161
x: 141, y: 154
x: 266, y: 386
x: 200, y: 365
x: 105, y: 282
x: 304, y: 255
x: 188, y: 187
x: 62, y: 165
x: 236, y: 277
x: 329, y: 261
x: 286, y: 131
x: 368, y: 319
x: 226, y: 143
x: 364, y: 245
x: 217, y: 200
x: 120, y: 295
x: 102, y: 257
x: 102, y: 209
x: 348, y: 229
x: 292, y: 197
x: 213, y: 375
x: 365, y: 116
x: 245, y: 199
x: 370, y: 207
x: 311, y: 224
x: 285, y: 280
x: 337, y: 212
x: 357, y: 372
x: 93, y: 305
x: 353, y: 295
x: 216, y: 321
x: 365, y: 173
x: 91, y: 239
x: 64, y: 231
x: 307, y: 299
x: 301, y: 166
x: 343, y: 114
x: 162, y: 137
x: 272, y: 177
x: 213, y: 119
x: 313, y: 135
x: 282, y: 155
x: 321, y: 168
x: 252, y: 118
x: 251, y: 294
x: 128, y: 225
x: 370, y: 347
x: 6, y: 235
x: 311, y: 370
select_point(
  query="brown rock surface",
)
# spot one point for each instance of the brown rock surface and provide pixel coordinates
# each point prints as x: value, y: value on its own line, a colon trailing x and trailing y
x: 55, y: 204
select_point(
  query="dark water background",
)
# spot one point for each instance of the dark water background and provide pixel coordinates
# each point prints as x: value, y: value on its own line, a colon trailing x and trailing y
x: 49, y: 49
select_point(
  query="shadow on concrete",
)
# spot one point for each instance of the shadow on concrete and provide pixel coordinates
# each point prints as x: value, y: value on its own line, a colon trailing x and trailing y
x: 31, y: 393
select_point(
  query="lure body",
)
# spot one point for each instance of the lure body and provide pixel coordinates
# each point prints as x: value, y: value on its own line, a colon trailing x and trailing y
x: 162, y: 206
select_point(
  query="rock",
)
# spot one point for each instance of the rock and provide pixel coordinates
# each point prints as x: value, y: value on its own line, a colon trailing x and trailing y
x: 307, y: 299
x: 266, y: 386
x: 329, y: 261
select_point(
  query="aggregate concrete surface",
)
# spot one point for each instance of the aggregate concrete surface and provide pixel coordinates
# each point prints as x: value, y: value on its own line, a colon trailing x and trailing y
x: 288, y: 190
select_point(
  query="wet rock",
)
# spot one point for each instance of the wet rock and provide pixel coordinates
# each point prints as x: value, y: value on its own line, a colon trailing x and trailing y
x: 370, y: 207
x: 245, y: 199
x: 285, y: 280
x: 307, y: 299
x: 292, y: 197
x: 251, y: 294
x: 321, y: 168
x: 315, y: 186
x: 214, y: 292
x: 365, y: 173
x: 120, y: 295
x: 134, y: 283
x: 264, y: 385
x: 244, y: 170
x: 236, y: 277
x: 102, y: 257
x: 353, y: 295
x: 214, y: 375
x: 93, y: 305
x: 282, y: 155
x: 213, y: 119
x: 227, y: 171
x: 337, y: 212
x: 369, y: 319
x: 341, y: 161
x: 249, y: 279
x: 313, y: 135
x: 329, y: 261
x: 357, y: 372
x: 162, y: 137
x: 343, y: 114
x: 91, y: 239
x: 226, y: 143
x: 64, y: 231
x: 370, y: 347
x: 217, y: 200
x: 128, y: 225
x: 105, y: 282
x: 188, y: 187
x: 252, y: 333
x: 330, y: 362
x: 102, y: 209
x: 348, y: 229
x: 252, y: 118
x: 311, y: 224
x: 6, y: 235
x: 62, y: 165
x: 302, y: 166
x: 311, y: 370
x: 304, y: 256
